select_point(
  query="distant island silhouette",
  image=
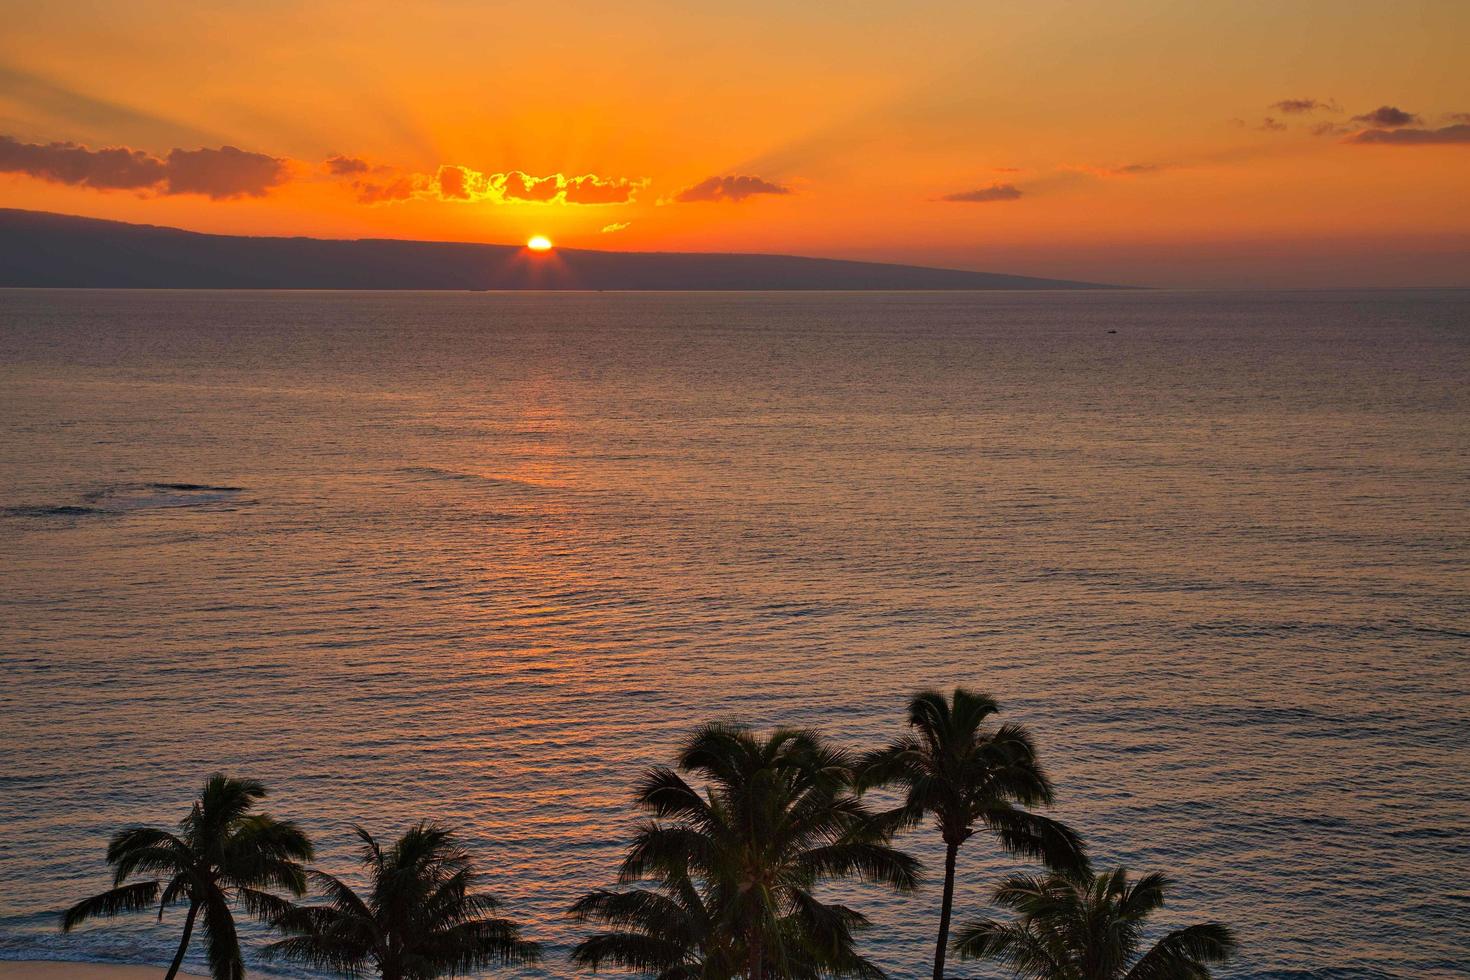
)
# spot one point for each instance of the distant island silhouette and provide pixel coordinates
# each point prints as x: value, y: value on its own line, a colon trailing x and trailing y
x: 41, y: 249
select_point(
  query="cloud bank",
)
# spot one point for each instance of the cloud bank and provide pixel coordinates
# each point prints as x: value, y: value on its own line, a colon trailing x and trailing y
x: 1298, y: 107
x: 1445, y: 135
x: 223, y: 173
x: 733, y: 189
x: 1387, y: 117
x: 455, y: 183
x: 995, y: 192
x: 342, y: 166
x: 228, y: 172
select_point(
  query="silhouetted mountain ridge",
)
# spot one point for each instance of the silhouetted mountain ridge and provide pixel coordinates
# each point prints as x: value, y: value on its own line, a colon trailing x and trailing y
x: 44, y: 249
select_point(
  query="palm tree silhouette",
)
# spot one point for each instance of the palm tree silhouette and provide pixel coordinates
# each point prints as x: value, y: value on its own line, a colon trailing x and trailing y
x: 1081, y: 926
x: 418, y: 918
x: 223, y: 856
x: 954, y: 767
x: 775, y: 818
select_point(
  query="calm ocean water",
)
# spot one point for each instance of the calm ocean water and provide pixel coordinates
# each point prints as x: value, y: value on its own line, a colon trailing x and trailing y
x: 482, y: 557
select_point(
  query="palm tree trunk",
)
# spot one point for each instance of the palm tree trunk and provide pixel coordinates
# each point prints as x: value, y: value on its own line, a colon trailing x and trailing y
x: 173, y: 969
x: 757, y: 967
x: 945, y: 908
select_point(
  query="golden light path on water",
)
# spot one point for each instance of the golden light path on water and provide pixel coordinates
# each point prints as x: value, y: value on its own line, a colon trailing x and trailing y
x: 482, y: 558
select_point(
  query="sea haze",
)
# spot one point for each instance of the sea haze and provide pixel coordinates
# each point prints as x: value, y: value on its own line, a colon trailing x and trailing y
x: 482, y: 557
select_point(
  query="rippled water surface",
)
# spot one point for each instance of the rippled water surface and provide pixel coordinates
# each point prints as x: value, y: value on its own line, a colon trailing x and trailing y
x: 482, y: 557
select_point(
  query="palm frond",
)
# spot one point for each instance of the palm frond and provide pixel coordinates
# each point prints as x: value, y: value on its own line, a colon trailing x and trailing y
x: 665, y: 794
x: 631, y: 950
x: 665, y: 849
x: 720, y: 752
x: 128, y: 898
x: 1185, y: 954
x: 479, y: 943
x: 639, y: 906
x: 341, y: 895
x: 1013, y: 944
x: 144, y: 841
x: 1032, y: 835
x: 222, y: 802
x: 871, y: 862
x: 1146, y: 895
x: 222, y: 943
x: 159, y: 860
x: 264, y: 837
x: 174, y: 892
x: 263, y: 905
x: 313, y: 953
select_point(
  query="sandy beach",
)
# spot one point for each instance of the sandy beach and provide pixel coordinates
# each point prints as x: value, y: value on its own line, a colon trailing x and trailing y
x: 51, y: 970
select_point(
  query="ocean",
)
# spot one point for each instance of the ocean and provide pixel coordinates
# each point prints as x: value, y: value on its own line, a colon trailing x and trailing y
x: 483, y: 557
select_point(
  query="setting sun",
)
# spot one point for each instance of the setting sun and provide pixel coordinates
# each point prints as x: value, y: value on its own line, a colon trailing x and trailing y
x: 539, y: 243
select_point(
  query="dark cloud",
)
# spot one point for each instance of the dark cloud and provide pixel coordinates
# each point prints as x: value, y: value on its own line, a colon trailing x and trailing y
x: 732, y: 188
x: 1387, y: 117
x: 1459, y: 133
x: 342, y: 166
x: 1297, y: 107
x: 116, y: 168
x: 995, y: 192
x: 383, y: 192
x: 223, y: 173
x: 1270, y: 125
x: 1135, y: 169
x: 1463, y: 117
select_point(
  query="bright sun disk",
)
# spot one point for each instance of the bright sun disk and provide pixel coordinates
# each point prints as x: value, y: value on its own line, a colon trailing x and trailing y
x: 539, y: 243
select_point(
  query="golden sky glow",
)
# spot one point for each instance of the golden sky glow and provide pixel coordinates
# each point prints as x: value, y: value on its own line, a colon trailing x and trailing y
x: 1210, y: 143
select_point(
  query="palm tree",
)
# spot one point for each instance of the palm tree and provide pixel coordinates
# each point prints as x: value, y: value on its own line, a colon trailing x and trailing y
x: 954, y: 767
x: 223, y: 856
x: 736, y: 863
x: 417, y: 919
x: 1081, y: 926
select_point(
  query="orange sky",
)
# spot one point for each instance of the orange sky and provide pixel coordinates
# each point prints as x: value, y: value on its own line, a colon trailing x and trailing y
x: 1140, y: 142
